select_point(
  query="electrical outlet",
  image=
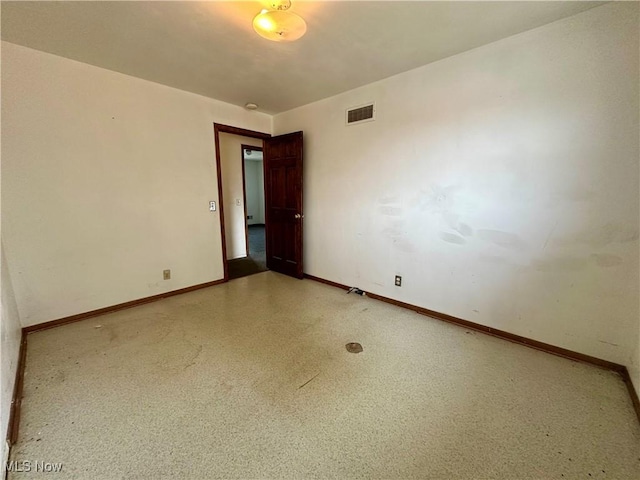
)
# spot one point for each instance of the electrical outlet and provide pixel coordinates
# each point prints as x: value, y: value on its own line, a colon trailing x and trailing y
x: 249, y: 217
x: 166, y: 274
x: 398, y: 281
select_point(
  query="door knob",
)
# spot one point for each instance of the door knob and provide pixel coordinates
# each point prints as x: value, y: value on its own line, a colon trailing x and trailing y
x: 297, y: 215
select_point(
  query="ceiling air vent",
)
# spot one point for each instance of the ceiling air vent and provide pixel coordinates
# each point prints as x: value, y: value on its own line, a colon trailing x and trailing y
x: 361, y: 114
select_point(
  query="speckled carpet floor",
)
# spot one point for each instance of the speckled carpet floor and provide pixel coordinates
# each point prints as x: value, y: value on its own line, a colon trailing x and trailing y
x: 251, y: 379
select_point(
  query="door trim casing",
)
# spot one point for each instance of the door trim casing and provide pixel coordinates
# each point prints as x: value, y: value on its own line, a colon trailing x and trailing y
x: 217, y: 129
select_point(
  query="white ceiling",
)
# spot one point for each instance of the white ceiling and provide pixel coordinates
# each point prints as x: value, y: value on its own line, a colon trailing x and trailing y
x: 210, y: 48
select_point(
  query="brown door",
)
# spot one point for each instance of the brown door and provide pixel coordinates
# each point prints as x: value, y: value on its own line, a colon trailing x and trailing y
x: 283, y: 203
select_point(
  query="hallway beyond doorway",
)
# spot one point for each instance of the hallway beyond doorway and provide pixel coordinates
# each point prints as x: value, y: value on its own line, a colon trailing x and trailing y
x: 256, y: 260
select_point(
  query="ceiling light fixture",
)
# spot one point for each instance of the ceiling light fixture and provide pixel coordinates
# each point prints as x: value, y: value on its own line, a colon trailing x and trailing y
x: 251, y: 106
x: 279, y: 24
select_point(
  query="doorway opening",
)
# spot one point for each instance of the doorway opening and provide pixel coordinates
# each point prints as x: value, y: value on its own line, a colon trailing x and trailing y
x: 255, y: 260
x: 282, y: 200
x: 254, y: 201
x: 241, y: 200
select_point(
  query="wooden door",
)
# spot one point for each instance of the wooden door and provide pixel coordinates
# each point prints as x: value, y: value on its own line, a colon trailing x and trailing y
x: 283, y: 203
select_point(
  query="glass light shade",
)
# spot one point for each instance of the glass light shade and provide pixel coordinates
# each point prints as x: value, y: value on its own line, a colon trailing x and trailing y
x: 279, y: 25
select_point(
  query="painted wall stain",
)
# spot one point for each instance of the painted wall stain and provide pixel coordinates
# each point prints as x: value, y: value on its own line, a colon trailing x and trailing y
x: 628, y: 235
x: 578, y: 195
x: 549, y: 235
x: 403, y: 245
x: 392, y: 232
x: 494, y: 259
x: 397, y: 235
x: 464, y: 229
x: 395, y: 222
x: 387, y: 200
x: 606, y: 260
x: 503, y: 239
x: 391, y: 211
x: 451, y: 238
x: 601, y: 236
x: 439, y: 199
x: 453, y: 221
x: 559, y: 264
x: 450, y: 218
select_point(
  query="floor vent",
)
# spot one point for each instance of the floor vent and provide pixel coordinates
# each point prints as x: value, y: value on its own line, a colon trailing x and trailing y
x: 361, y: 114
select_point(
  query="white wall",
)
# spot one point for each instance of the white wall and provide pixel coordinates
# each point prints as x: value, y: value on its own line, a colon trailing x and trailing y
x: 106, y: 182
x: 10, y: 336
x: 254, y: 185
x: 231, y: 160
x: 501, y: 183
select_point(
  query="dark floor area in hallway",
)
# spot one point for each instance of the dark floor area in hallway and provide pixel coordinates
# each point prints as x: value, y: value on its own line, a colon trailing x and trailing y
x: 256, y: 261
